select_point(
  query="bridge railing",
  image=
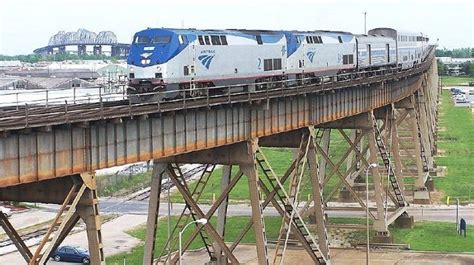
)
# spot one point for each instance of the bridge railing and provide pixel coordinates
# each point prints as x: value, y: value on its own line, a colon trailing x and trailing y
x: 57, y: 110
x: 43, y: 98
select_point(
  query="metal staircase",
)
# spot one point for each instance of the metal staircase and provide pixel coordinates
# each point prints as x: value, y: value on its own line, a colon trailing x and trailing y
x: 424, y: 160
x: 293, y: 190
x: 399, y: 197
x: 291, y: 214
x: 187, y: 213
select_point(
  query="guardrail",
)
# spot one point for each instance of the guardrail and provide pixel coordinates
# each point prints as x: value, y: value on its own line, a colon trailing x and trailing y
x: 102, y: 106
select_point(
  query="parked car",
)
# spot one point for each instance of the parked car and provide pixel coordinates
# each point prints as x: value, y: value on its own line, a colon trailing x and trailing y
x: 461, y: 99
x: 457, y: 91
x: 71, y: 254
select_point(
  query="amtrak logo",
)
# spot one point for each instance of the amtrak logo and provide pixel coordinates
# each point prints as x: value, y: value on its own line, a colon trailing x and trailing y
x: 206, y: 60
x: 311, y: 56
x: 146, y: 55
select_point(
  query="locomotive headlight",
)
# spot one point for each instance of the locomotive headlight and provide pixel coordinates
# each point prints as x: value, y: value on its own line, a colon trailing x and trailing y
x: 145, y: 61
x: 158, y: 69
x: 131, y: 69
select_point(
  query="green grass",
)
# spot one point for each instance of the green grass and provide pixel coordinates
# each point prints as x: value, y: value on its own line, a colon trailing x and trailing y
x: 434, y: 236
x: 457, y: 140
x: 234, y: 226
x: 425, y: 236
x: 456, y: 80
x: 134, y: 182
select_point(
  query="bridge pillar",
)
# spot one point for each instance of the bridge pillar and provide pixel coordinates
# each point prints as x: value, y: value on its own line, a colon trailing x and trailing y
x: 153, y: 211
x: 81, y: 49
x: 222, y: 212
x: 380, y: 224
x: 393, y: 127
x: 318, y: 200
x: 97, y: 49
x: 325, y: 144
x: 257, y: 213
x: 421, y: 193
x: 77, y: 194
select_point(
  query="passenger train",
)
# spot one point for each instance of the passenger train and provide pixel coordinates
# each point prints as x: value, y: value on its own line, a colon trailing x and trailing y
x: 177, y: 60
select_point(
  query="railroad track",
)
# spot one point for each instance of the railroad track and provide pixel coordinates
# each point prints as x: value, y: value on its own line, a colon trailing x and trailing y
x: 25, y: 237
x: 145, y: 193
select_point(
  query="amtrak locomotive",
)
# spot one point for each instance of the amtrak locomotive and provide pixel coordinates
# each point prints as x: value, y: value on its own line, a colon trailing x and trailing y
x: 178, y: 60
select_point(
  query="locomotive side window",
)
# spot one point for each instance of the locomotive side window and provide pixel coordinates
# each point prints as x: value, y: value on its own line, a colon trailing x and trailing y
x: 224, y: 40
x: 186, y: 70
x: 215, y: 40
x: 259, y: 39
x: 348, y: 59
x: 201, y: 40
x: 277, y: 64
x: 206, y: 39
x: 267, y: 65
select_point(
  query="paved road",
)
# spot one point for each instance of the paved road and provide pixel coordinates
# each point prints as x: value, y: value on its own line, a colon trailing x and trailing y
x: 246, y: 254
x: 428, y: 212
x: 134, y: 213
x: 113, y: 234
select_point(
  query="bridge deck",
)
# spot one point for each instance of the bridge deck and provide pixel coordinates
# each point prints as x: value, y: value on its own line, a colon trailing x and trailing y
x: 177, y: 127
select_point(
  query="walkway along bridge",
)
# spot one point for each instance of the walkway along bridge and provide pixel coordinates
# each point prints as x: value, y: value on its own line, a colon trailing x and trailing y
x: 49, y: 154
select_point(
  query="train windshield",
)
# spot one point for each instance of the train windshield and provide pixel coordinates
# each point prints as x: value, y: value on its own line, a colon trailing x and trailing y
x: 152, y: 40
x: 161, y: 39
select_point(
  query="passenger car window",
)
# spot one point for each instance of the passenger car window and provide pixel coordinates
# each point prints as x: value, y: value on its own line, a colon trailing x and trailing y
x: 206, y: 39
x: 201, y: 41
x: 215, y: 40
x: 223, y: 40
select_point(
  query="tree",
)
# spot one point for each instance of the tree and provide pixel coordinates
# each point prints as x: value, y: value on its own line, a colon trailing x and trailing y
x: 441, y: 68
x: 456, y: 53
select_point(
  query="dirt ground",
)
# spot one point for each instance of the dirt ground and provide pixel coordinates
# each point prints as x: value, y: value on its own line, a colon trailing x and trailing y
x: 246, y: 254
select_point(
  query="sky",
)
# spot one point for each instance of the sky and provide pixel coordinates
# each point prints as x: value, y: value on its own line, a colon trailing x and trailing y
x: 28, y: 24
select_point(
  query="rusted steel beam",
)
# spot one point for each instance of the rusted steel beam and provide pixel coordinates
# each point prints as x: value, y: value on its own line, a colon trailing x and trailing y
x: 37, y: 156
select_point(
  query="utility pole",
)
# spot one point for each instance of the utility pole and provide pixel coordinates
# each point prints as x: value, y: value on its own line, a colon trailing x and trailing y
x: 365, y: 22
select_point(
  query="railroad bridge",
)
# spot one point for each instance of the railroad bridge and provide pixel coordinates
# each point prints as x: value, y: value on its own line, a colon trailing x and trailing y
x: 49, y: 154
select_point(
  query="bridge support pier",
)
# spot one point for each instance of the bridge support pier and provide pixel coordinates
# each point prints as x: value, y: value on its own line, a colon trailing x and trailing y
x: 386, y: 190
x: 78, y: 196
x: 248, y: 156
x: 222, y: 213
x: 153, y: 211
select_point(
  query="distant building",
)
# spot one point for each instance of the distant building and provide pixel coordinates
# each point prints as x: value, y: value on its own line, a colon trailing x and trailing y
x: 453, y: 65
x: 84, y: 42
x: 15, y: 83
x: 10, y: 64
x: 84, y: 74
x: 112, y: 72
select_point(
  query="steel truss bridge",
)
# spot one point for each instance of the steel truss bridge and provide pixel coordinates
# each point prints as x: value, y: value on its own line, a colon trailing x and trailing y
x: 48, y: 153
